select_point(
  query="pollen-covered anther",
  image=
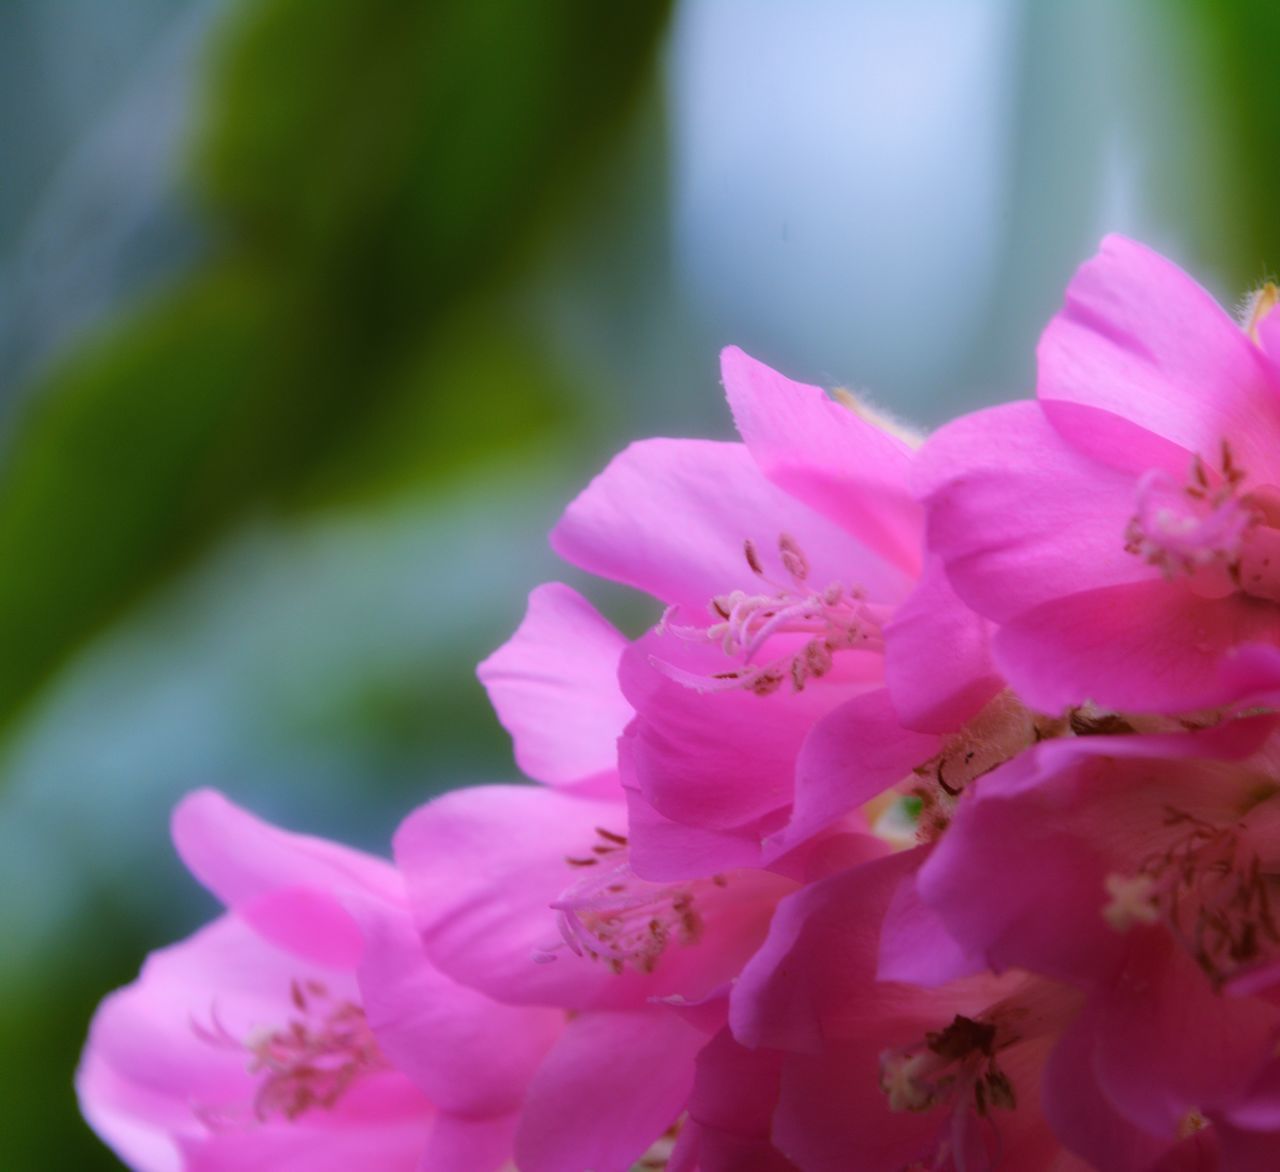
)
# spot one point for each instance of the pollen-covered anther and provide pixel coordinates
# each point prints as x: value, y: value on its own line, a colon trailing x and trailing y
x: 1209, y: 887
x: 307, y: 1063
x: 956, y: 1068
x: 1132, y: 900
x: 1183, y: 529
x: 612, y: 916
x: 746, y: 625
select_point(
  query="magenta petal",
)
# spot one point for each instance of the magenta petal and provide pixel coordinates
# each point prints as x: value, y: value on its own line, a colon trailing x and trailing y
x: 814, y: 976
x: 239, y: 857
x: 734, y: 1096
x: 460, y: 1144
x: 1139, y: 338
x: 916, y: 947
x: 554, y: 686
x: 670, y: 517
x: 1080, y: 1113
x: 469, y: 1055
x: 611, y: 1086
x: 1019, y: 516
x: 853, y: 754
x: 1153, y: 646
x: 937, y: 657
x: 483, y: 867
x: 827, y: 456
x: 664, y: 850
x: 1167, y: 1043
x: 717, y: 759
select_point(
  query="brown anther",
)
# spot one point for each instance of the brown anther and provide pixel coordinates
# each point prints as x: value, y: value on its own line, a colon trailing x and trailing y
x: 753, y: 558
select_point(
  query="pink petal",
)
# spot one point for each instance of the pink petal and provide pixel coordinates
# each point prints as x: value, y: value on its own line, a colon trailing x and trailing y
x: 457, y: 1144
x: 1139, y: 338
x: 852, y: 755
x: 827, y: 456
x: 554, y: 685
x: 937, y: 658
x: 670, y: 517
x: 1078, y: 1111
x: 720, y: 759
x: 1018, y: 516
x: 609, y: 1088
x: 1153, y: 646
x: 467, y: 1053
x: 485, y: 865
x: 1167, y: 1043
x: 239, y: 857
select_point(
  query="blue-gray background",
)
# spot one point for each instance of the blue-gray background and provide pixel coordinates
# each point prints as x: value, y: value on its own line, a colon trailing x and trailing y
x: 313, y: 315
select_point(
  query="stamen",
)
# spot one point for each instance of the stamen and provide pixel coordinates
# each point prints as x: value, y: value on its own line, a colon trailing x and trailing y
x: 308, y: 1063
x: 623, y: 921
x: 834, y: 619
x: 1183, y: 530
x: 1209, y: 888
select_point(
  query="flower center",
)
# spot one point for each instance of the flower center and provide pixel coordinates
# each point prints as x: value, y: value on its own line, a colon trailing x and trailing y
x: 1209, y: 529
x: 955, y: 1069
x: 999, y: 732
x: 614, y: 917
x: 310, y: 1062
x: 1209, y: 888
x: 814, y: 624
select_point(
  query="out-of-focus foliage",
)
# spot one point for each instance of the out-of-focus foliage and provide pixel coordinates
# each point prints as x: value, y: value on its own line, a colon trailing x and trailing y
x: 1240, y: 45
x: 373, y: 178
x: 368, y: 166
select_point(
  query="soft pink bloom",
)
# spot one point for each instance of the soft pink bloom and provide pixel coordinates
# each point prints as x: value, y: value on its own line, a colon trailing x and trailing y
x: 527, y: 894
x: 255, y: 1044
x: 1124, y: 530
x: 882, y: 1075
x: 783, y: 562
x: 1143, y: 876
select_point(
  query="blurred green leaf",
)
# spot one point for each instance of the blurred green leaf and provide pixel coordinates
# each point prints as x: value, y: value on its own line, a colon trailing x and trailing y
x: 1238, y: 45
x: 370, y: 168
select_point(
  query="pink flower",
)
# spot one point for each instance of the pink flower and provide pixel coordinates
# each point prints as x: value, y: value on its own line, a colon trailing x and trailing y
x: 1143, y: 877
x: 783, y: 562
x: 255, y: 1043
x: 528, y: 895
x: 1125, y: 529
x: 883, y: 1075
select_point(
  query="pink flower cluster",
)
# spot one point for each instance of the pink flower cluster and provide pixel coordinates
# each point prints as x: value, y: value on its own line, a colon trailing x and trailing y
x: 935, y: 825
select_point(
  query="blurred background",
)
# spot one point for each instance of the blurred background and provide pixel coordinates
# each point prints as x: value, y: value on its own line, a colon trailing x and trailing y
x: 312, y: 317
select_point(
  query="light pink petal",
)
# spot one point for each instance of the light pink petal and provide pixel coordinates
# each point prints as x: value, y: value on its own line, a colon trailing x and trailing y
x: 852, y: 755
x: 721, y: 759
x: 467, y: 1053
x: 1018, y: 516
x: 485, y: 865
x: 554, y: 686
x: 1153, y: 646
x: 1139, y: 338
x: 458, y: 1144
x: 136, y: 1122
x: 239, y: 857
x: 937, y: 658
x: 612, y: 1085
x: 670, y: 517
x: 664, y: 850
x: 827, y: 456
x: 395, y: 1147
